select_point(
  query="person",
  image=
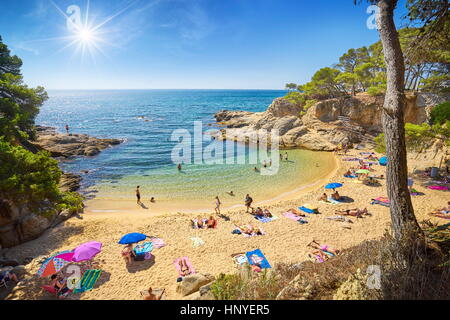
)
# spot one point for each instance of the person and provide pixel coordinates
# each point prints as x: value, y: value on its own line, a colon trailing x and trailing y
x: 336, y: 196
x: 184, y: 269
x: 67, y: 129
x: 286, y: 156
x: 353, y: 212
x: 267, y: 213
x: 323, y: 249
x: 8, y: 276
x: 218, y: 203
x: 256, y: 169
x: 151, y: 296
x: 231, y: 193
x: 348, y: 173
x: 60, y: 286
x: 211, y: 222
x: 281, y: 157
x: 138, y: 195
x: 248, y: 202
x: 127, y: 253
x: 324, y: 198
x: 270, y: 163
x: 259, y: 212
x: 296, y: 212
x: 179, y: 167
x: 264, y: 164
x: 152, y: 200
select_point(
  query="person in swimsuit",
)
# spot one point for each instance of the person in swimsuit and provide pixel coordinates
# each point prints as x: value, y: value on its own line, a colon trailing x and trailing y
x: 138, y: 195
x: 60, y: 286
x: 8, y: 276
x: 67, y: 129
x: 179, y: 167
x: 218, y: 203
x: 127, y: 253
x: 248, y: 202
x: 151, y: 296
x: 184, y: 269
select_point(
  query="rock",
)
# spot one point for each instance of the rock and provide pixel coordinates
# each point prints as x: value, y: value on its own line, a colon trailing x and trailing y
x: 8, y: 262
x: 192, y: 283
x: 63, y: 145
x: 204, y: 293
x: 19, y: 270
x: 69, y: 182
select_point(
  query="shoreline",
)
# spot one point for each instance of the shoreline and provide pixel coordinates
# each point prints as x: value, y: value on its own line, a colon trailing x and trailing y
x: 103, y: 205
x: 285, y: 241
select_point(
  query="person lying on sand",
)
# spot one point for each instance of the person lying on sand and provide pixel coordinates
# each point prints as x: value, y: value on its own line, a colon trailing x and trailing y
x: 128, y: 253
x: 442, y: 213
x: 353, y: 212
x: 259, y: 212
x: 323, y: 198
x: 267, y: 213
x: 296, y: 212
x: 151, y: 296
x: 314, y: 244
x: 249, y: 229
x: 211, y: 223
x: 184, y: 269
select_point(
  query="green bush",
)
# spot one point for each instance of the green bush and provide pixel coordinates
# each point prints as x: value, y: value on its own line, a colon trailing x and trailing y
x: 440, y: 113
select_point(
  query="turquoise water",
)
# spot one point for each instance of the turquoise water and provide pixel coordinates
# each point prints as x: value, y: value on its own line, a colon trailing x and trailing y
x: 146, y: 120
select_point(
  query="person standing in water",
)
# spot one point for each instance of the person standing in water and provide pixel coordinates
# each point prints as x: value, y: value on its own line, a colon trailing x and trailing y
x: 179, y: 167
x: 67, y: 129
x: 218, y: 203
x: 286, y: 156
x: 138, y: 195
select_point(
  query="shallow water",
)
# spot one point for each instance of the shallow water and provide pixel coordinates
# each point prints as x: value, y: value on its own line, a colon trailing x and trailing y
x: 146, y: 119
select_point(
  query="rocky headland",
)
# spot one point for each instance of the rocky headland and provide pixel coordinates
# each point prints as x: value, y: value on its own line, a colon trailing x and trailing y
x: 325, y: 125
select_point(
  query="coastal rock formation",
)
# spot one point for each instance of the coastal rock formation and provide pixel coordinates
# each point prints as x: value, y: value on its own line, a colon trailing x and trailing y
x: 325, y: 125
x: 63, y: 145
x: 21, y: 224
x: 193, y: 283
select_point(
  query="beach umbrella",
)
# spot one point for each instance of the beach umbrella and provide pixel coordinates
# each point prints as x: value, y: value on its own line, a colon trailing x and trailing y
x: 333, y: 185
x: 86, y: 251
x: 132, y: 238
x: 363, y: 171
x: 55, y: 263
x: 383, y: 161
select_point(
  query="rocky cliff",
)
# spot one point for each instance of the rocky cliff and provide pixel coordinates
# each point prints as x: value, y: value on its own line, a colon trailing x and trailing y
x: 21, y: 223
x: 325, y: 125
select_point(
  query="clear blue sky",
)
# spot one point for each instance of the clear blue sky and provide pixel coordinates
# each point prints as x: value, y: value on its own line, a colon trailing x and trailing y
x: 192, y: 44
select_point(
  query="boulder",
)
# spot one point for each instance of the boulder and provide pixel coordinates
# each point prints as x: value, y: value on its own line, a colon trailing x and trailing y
x: 192, y: 283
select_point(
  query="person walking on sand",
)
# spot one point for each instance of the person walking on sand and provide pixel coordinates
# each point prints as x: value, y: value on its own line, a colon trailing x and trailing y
x: 248, y: 202
x: 138, y: 195
x: 218, y: 203
x: 67, y: 129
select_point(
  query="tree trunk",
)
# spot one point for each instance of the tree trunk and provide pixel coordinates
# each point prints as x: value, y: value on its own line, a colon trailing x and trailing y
x: 402, y: 212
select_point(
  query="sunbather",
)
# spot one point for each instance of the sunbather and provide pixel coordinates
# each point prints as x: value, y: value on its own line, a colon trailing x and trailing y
x: 323, y: 198
x: 128, y: 253
x: 8, y: 276
x: 60, y: 286
x: 151, y: 296
x: 211, y: 223
x: 336, y: 196
x: 353, y: 212
x: 267, y: 213
x: 314, y: 244
x: 296, y: 212
x: 259, y: 212
x: 184, y: 268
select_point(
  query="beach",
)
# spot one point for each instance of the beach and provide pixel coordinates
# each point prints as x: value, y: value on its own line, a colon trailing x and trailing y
x: 285, y: 240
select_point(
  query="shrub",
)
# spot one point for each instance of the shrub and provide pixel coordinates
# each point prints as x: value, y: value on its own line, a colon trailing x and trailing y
x: 440, y: 113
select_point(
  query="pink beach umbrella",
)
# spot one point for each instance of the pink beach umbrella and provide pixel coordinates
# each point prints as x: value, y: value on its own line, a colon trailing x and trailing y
x: 86, y: 251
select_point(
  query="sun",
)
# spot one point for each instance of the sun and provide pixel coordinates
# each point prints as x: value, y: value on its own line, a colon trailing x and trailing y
x: 85, y: 35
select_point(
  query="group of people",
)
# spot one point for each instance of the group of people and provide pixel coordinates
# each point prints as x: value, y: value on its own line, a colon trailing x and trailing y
x: 138, y: 196
x: 203, y: 223
x: 249, y: 229
x: 335, y: 196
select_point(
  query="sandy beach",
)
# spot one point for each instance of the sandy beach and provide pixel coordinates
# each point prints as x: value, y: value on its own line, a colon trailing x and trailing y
x: 285, y: 240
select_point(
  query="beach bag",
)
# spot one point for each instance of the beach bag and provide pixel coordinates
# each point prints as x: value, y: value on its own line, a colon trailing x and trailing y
x: 139, y: 257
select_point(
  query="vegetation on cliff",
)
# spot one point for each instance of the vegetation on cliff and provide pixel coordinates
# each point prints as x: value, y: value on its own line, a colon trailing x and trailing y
x: 26, y: 179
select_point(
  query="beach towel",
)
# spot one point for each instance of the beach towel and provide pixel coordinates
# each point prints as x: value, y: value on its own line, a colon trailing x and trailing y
x: 382, y: 201
x: 350, y: 176
x: 88, y: 280
x: 143, y: 248
x: 157, y: 242
x: 239, y: 258
x: 437, y: 188
x: 266, y: 219
x: 291, y: 216
x: 256, y: 257
x: 333, y: 201
x: 188, y: 263
x: 307, y: 210
x: 197, y: 242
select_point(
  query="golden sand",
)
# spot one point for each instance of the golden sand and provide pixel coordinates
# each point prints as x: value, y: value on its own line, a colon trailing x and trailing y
x: 285, y: 240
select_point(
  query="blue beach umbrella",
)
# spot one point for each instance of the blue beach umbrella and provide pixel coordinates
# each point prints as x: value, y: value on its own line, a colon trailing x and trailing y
x: 132, y: 238
x: 333, y: 185
x: 383, y: 161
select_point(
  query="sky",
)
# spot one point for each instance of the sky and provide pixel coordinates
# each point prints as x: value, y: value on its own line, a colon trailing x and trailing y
x: 181, y: 44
